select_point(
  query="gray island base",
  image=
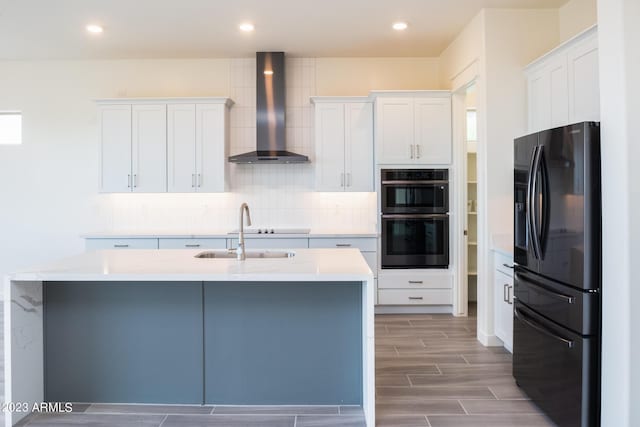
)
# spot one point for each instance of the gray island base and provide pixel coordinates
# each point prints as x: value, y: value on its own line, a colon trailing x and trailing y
x: 290, y: 338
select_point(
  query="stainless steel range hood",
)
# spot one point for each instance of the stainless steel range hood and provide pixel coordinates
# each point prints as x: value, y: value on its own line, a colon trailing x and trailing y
x: 270, y: 114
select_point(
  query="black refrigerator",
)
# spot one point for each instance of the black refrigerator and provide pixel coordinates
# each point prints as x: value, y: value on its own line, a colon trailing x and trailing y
x: 557, y: 254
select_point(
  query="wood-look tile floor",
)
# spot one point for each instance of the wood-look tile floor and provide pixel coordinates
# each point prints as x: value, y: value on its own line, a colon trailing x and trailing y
x: 430, y: 371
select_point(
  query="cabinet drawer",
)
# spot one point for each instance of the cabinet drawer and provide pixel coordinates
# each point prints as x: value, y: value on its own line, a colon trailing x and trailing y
x: 415, y: 281
x: 368, y: 244
x: 192, y: 244
x: 414, y: 297
x: 98, y: 244
x: 503, y: 263
x: 272, y: 243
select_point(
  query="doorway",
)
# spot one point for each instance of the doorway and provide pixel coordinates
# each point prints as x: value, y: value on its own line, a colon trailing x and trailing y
x: 471, y: 196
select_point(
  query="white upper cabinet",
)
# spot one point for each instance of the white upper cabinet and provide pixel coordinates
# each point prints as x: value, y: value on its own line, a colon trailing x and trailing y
x: 563, y: 85
x: 181, y: 135
x: 115, y: 148
x: 154, y: 146
x: 584, y: 78
x: 414, y: 128
x: 394, y: 130
x: 548, y: 95
x: 212, y: 147
x: 149, y: 148
x: 358, y: 147
x: 344, y: 144
x: 432, y: 130
x: 198, y: 147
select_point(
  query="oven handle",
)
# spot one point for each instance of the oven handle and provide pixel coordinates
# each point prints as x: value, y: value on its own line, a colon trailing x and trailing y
x: 408, y: 182
x: 541, y: 329
x: 417, y: 216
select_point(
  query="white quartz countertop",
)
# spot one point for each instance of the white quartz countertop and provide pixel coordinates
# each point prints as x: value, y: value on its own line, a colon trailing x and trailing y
x: 502, y: 243
x: 225, y: 234
x: 181, y: 265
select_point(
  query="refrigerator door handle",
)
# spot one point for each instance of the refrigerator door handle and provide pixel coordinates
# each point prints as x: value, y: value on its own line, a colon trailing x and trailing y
x: 534, y: 212
x: 541, y: 329
x: 545, y: 202
x: 533, y: 235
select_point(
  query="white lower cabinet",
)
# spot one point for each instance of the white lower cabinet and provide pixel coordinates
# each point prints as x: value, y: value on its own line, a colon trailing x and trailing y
x: 219, y: 243
x: 414, y: 296
x: 415, y: 288
x: 127, y: 243
x: 503, y: 299
x: 366, y: 245
x: 271, y: 243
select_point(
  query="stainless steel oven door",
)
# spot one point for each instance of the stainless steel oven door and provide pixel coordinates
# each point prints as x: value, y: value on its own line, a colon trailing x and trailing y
x: 415, y: 241
x: 405, y: 197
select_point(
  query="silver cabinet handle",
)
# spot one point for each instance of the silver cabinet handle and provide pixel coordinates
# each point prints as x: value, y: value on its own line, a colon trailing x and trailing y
x: 349, y: 179
x: 418, y: 154
x: 199, y: 181
x: 343, y: 245
x: 195, y: 245
x: 342, y: 180
x: 416, y: 282
x: 416, y: 298
x: 411, y: 150
x: 509, y: 294
x: 129, y: 181
x: 135, y: 180
x: 505, y: 293
x: 193, y: 180
x: 120, y: 246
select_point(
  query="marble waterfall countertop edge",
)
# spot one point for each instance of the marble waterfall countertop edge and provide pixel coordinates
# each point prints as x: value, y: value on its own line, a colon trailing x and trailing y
x: 181, y: 265
x: 225, y: 235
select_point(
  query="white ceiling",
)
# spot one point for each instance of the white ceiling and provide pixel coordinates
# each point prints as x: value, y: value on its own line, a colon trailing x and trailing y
x: 55, y: 29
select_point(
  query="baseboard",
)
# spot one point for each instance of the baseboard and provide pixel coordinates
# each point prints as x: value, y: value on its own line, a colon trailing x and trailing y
x: 413, y: 309
x: 489, y: 340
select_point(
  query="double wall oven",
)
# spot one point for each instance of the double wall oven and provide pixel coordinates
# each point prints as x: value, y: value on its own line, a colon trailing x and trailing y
x: 415, y: 219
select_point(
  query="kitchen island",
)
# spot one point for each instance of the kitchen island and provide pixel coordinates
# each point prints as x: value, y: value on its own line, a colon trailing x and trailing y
x: 162, y: 326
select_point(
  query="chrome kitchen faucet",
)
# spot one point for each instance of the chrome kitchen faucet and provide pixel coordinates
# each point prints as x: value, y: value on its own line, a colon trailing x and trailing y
x: 240, y: 251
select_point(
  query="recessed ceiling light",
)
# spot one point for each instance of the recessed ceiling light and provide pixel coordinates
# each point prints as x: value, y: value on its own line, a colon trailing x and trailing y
x: 268, y: 72
x: 247, y: 27
x: 94, y: 29
x: 400, y: 26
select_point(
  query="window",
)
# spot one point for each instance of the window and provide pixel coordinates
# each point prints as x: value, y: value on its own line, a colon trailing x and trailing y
x: 472, y: 126
x: 10, y: 128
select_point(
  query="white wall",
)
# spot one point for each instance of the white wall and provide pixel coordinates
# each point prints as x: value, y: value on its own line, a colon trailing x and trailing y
x: 49, y: 183
x: 357, y: 76
x: 619, y: 37
x: 576, y: 16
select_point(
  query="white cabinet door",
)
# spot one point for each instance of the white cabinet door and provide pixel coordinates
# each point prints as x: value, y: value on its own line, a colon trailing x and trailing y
x: 149, y: 148
x: 208, y: 243
x: 394, y: 133
x: 548, y: 92
x: 358, y: 147
x: 584, y: 87
x: 115, y: 148
x: 432, y: 125
x: 503, y: 316
x: 211, y: 147
x: 181, y: 147
x: 330, y: 146
x: 271, y: 243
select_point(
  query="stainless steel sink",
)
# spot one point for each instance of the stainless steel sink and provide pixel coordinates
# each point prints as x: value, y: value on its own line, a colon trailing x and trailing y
x: 249, y: 254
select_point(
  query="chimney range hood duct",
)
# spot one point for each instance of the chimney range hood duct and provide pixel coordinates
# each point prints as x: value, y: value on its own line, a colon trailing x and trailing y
x: 270, y: 114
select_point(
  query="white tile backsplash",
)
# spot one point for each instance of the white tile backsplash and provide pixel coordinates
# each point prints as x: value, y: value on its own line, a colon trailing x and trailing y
x: 278, y: 195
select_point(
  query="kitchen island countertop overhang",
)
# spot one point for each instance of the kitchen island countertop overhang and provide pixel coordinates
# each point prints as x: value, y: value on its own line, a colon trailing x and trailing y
x: 26, y: 303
